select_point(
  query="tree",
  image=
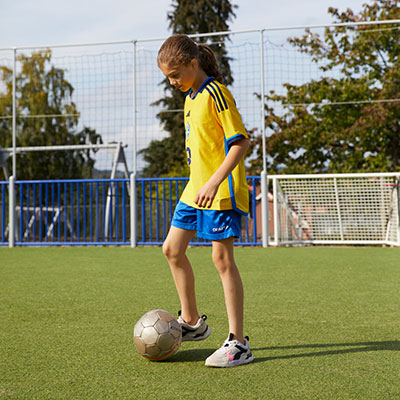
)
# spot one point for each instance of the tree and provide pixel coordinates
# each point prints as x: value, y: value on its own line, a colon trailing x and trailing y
x: 351, y: 137
x: 167, y: 156
x: 43, y: 90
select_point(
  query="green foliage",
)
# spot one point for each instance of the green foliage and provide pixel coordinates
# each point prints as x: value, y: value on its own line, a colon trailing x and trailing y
x: 167, y: 157
x: 43, y: 90
x: 356, y: 137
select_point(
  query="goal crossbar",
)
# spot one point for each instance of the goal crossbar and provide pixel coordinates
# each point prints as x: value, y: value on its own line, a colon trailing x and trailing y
x: 10, y: 150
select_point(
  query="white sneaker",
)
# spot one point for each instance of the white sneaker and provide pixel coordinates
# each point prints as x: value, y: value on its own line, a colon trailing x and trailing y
x: 194, y: 333
x: 231, y: 354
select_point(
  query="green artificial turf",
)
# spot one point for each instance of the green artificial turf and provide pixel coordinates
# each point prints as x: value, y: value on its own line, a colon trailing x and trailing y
x: 324, y: 323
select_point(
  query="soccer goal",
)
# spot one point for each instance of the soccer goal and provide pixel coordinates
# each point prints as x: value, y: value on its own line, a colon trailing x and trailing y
x: 336, y: 209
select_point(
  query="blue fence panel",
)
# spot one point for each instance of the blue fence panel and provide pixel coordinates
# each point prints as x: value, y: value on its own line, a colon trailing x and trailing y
x: 3, y: 213
x: 158, y: 198
x: 71, y: 212
x: 97, y: 212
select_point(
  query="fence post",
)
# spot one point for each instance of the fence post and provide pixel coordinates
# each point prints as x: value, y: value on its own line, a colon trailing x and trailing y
x: 264, y: 209
x: 338, y: 208
x: 14, y: 116
x: 398, y: 210
x: 11, y: 223
x: 264, y: 182
x: 134, y: 95
x: 133, y: 210
x: 276, y: 216
x: 133, y: 199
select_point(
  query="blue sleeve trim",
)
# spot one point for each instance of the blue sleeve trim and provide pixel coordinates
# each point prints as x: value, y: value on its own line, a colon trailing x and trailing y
x: 234, y: 206
x: 234, y: 139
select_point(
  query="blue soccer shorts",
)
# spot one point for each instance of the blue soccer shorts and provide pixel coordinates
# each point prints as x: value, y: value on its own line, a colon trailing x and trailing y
x: 209, y: 224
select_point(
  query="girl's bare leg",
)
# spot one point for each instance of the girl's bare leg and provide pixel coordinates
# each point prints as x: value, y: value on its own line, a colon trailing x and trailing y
x: 174, y: 249
x: 222, y: 254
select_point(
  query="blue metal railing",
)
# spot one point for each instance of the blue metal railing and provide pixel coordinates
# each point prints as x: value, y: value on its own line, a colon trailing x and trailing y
x: 72, y: 212
x: 97, y: 212
x: 3, y: 212
x: 158, y: 198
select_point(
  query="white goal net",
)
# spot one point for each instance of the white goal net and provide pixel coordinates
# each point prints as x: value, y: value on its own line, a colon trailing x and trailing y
x: 336, y: 209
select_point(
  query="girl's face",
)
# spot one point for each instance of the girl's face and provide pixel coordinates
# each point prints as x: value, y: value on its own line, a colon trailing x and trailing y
x: 182, y: 76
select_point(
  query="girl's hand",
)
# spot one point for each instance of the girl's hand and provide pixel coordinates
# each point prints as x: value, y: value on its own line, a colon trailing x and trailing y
x: 206, y: 195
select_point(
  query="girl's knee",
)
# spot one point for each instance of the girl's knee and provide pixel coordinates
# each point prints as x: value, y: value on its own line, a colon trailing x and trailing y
x: 171, y: 252
x: 167, y: 250
x: 223, y: 261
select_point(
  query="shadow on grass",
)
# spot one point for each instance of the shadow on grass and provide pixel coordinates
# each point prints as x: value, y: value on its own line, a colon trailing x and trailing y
x: 191, y: 355
x: 357, y: 347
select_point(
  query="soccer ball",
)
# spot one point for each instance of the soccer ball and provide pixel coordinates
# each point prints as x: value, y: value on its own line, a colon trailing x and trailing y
x: 157, y: 335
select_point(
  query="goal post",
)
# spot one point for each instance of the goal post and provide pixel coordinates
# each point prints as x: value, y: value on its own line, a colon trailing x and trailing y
x: 336, y: 209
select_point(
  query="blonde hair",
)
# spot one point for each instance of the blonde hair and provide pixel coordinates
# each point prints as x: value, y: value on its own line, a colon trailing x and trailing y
x: 180, y: 50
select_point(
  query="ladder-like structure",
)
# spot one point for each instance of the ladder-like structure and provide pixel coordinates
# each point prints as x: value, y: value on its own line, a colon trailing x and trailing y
x: 119, y: 158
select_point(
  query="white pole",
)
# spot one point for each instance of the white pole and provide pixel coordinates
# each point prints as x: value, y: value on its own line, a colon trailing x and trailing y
x: 338, y: 209
x: 264, y: 181
x: 382, y: 209
x: 11, y: 223
x: 134, y: 109
x: 398, y: 210
x: 64, y: 147
x: 133, y: 175
x: 264, y: 209
x: 133, y: 210
x: 262, y: 101
x: 276, y: 216
x: 14, y: 116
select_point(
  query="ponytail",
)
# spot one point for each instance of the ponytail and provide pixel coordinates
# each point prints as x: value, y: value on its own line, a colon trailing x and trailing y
x: 180, y: 49
x: 208, y: 62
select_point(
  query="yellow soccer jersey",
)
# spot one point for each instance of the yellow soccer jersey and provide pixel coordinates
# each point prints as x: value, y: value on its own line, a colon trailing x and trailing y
x: 212, y: 124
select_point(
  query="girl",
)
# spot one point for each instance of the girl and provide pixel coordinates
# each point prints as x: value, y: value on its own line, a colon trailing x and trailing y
x: 216, y: 195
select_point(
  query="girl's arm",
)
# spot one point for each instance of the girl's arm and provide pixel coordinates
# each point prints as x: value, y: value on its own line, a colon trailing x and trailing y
x: 206, y: 194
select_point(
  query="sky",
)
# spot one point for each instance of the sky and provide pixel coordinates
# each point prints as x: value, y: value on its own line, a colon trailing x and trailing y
x: 50, y: 22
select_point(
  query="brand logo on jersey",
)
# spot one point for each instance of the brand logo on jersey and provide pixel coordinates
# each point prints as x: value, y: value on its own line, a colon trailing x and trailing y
x: 187, y: 130
x: 188, y: 114
x: 220, y: 229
